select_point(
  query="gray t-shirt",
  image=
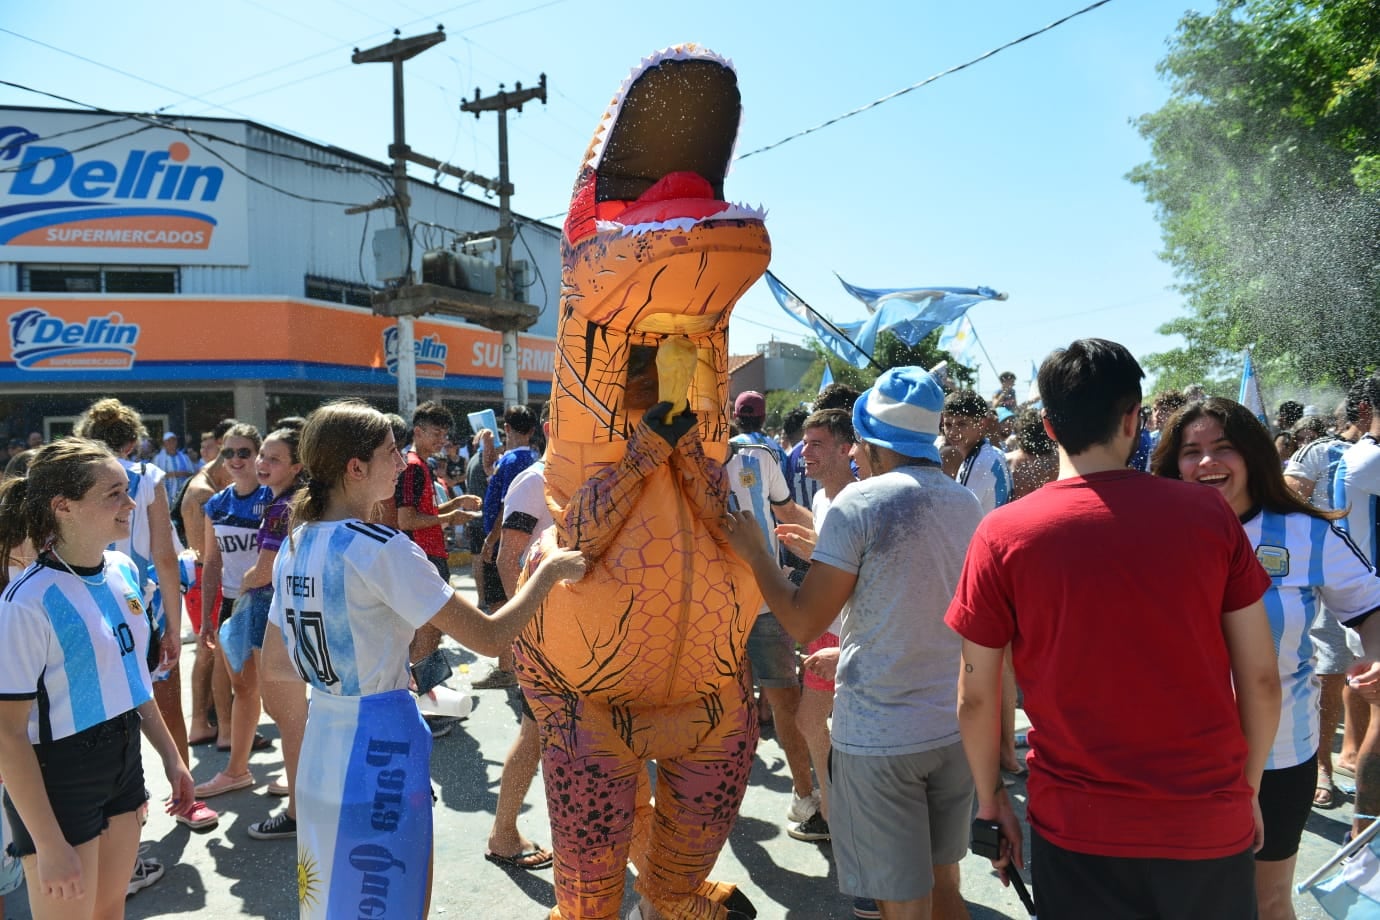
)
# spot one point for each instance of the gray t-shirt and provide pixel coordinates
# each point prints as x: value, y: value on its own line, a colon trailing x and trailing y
x: 904, y: 534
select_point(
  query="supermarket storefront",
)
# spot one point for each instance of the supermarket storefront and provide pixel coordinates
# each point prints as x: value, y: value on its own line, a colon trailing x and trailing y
x: 187, y: 361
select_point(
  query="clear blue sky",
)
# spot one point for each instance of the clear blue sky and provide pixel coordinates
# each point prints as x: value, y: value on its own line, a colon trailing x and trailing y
x: 1008, y: 174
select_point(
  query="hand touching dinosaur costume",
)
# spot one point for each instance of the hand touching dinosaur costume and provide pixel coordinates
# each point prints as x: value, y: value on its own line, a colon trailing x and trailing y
x: 642, y: 660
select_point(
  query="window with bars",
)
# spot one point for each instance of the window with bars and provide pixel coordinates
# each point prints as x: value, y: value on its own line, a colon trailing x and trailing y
x: 99, y: 279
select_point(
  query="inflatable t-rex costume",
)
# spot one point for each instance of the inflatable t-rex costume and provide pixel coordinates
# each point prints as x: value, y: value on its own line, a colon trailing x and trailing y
x: 642, y: 660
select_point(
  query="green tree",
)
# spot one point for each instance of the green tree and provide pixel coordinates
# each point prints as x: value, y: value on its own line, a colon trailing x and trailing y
x: 1265, y: 175
x: 890, y: 352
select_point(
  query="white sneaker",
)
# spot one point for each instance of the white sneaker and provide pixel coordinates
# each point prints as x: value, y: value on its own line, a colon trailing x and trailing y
x: 803, y: 807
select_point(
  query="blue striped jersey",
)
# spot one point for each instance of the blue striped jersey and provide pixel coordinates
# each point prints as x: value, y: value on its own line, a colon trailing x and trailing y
x: 236, y: 519
x: 347, y: 597
x: 1309, y: 561
x: 757, y: 480
x: 144, y: 481
x: 1317, y: 462
x: 75, y: 648
x: 984, y: 473
x: 1357, y: 487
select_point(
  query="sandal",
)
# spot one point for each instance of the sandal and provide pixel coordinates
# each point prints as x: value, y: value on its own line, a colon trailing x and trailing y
x: 260, y: 744
x: 1325, y: 796
x: 536, y: 858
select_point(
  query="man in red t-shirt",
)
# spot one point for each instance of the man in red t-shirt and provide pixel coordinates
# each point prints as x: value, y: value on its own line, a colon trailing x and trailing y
x: 418, y: 513
x: 1144, y: 762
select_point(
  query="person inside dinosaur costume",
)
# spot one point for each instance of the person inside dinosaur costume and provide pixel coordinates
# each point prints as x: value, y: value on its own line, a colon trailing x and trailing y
x: 643, y: 660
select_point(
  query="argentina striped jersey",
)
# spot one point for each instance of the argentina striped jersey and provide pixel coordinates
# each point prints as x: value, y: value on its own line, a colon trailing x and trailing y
x: 984, y: 473
x: 1357, y: 487
x: 347, y: 596
x: 75, y: 645
x: 1309, y: 561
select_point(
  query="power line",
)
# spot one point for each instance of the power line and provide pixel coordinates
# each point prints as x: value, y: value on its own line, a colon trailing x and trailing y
x: 925, y: 82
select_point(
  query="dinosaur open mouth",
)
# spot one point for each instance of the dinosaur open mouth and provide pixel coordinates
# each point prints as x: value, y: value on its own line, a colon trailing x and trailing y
x: 663, y: 148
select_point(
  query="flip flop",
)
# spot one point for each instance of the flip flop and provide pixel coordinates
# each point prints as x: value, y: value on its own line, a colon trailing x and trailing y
x: 209, y: 739
x: 260, y: 744
x: 536, y: 858
x: 1325, y: 796
x: 1344, y: 771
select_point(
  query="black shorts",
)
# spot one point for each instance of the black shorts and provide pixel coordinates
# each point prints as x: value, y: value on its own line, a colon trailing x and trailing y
x: 1286, y: 801
x: 492, y: 594
x: 91, y: 777
x: 1076, y: 886
x: 475, y: 534
x: 442, y: 567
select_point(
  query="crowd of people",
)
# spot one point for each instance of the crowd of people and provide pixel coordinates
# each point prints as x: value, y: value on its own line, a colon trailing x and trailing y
x: 929, y: 560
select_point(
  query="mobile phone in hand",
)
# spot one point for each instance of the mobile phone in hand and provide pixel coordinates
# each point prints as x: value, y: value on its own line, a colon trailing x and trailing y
x: 430, y: 671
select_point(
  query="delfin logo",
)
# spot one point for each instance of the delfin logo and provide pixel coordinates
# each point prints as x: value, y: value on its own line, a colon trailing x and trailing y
x: 12, y: 140
x: 430, y: 354
x: 1274, y: 559
x: 42, y: 342
x: 103, y: 204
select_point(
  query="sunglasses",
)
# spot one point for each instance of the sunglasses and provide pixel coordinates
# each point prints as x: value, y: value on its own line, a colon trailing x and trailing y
x: 244, y: 453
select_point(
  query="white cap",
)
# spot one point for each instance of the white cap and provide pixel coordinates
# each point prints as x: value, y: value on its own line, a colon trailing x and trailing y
x: 169, y: 434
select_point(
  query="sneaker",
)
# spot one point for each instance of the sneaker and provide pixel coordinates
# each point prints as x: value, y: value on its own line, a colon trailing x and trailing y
x: 222, y: 783
x: 802, y: 807
x: 147, y: 870
x: 812, y: 828
x: 440, y: 725
x: 866, y: 908
x: 279, y: 827
x: 201, y: 816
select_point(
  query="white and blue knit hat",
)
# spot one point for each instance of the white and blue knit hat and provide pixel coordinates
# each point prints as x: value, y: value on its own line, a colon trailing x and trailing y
x: 901, y: 412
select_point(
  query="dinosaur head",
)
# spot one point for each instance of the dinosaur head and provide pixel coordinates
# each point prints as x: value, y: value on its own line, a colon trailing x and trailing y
x: 651, y: 246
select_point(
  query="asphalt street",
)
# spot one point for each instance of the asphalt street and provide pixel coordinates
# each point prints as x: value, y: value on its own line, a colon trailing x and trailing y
x: 222, y: 872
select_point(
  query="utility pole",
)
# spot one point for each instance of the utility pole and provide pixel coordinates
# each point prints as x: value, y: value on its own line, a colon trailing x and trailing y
x: 395, y: 52
x: 501, y: 102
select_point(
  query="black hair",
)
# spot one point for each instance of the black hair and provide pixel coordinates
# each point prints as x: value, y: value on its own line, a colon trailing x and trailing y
x: 967, y: 404
x: 402, y: 432
x: 222, y: 427
x: 794, y: 422
x: 1289, y: 414
x: 1169, y: 400
x: 520, y: 419
x: 433, y: 413
x: 837, y: 396
x: 1031, y: 434
x: 1087, y: 388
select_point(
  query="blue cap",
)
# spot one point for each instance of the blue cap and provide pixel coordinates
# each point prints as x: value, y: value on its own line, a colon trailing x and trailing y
x: 1004, y: 413
x: 901, y: 412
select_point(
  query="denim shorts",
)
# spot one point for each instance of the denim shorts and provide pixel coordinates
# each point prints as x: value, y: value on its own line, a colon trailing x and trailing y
x: 771, y: 651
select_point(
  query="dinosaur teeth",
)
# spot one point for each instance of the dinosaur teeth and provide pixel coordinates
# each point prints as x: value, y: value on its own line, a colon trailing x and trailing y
x: 732, y: 212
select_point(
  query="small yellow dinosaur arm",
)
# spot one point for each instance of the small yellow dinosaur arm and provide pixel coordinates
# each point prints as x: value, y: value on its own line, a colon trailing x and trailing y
x: 676, y: 360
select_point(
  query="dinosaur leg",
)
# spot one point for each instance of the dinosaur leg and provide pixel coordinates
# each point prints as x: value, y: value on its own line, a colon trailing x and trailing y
x: 592, y: 780
x: 697, y: 799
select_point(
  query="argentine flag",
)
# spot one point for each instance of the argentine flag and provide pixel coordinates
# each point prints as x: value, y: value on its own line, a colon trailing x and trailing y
x: 1352, y: 892
x: 364, y: 832
x: 958, y: 339
x: 1250, y: 395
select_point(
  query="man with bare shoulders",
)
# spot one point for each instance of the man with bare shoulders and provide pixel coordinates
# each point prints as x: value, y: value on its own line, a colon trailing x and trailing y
x: 1035, y: 461
x: 208, y: 480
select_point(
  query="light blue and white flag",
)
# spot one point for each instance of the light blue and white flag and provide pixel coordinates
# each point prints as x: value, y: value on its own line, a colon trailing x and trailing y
x: 831, y: 336
x: 1347, y: 887
x: 1250, y: 395
x: 959, y: 339
x: 364, y: 832
x: 911, y: 313
x: 1032, y: 393
x: 827, y: 377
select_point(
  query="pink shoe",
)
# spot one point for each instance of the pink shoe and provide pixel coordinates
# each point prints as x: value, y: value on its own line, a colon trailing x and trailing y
x: 201, y: 816
x: 278, y: 787
x: 222, y: 783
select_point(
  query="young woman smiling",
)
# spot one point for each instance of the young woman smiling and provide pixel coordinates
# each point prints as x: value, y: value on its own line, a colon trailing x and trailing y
x: 1220, y: 444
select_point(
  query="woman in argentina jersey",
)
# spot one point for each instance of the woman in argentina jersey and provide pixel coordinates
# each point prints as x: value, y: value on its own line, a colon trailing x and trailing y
x: 1310, y: 561
x: 233, y: 516
x: 153, y: 548
x: 74, y: 684
x: 348, y: 596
